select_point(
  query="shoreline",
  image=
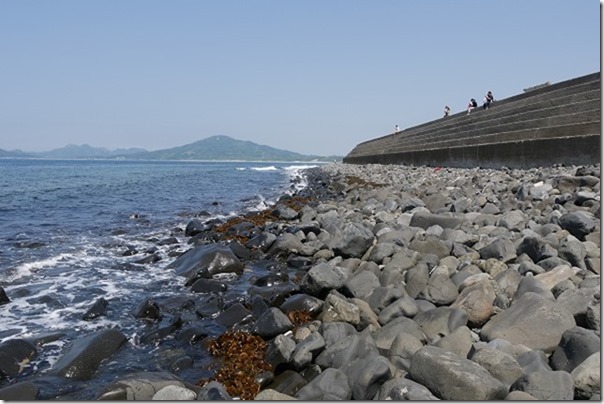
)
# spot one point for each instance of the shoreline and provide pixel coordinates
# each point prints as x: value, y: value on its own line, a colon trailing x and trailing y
x: 395, y: 282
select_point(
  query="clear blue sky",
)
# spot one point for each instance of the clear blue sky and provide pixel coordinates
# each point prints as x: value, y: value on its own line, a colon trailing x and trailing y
x: 312, y: 76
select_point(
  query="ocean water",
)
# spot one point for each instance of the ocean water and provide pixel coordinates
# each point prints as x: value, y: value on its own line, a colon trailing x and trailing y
x: 71, y: 232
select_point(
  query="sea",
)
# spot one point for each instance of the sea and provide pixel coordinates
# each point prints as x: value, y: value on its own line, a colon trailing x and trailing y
x: 70, y: 231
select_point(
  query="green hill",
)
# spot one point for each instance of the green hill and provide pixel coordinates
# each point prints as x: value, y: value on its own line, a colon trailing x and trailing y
x: 227, y: 148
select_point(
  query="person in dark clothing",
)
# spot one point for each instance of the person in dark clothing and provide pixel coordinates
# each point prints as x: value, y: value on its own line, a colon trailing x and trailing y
x: 473, y: 104
x: 488, y: 100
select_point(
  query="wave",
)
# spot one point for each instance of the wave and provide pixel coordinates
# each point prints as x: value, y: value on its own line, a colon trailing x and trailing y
x: 269, y: 168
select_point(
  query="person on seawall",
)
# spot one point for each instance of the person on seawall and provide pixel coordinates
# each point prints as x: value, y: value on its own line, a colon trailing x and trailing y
x: 396, y: 129
x: 473, y: 104
x: 488, y: 100
x: 447, y: 110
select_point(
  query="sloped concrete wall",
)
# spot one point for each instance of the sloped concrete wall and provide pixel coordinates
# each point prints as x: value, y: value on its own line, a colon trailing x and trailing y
x: 555, y: 124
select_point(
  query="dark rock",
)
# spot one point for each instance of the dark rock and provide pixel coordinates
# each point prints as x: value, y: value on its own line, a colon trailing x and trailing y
x: 306, y: 349
x: 168, y: 241
x: 576, y: 345
x: 402, y: 350
x: 353, y: 241
x: 451, y: 377
x: 233, y: 315
x: 440, y: 321
x: 148, y: 309
x: 22, y: 391
x: 440, y: 290
x: 288, y: 382
x: 194, y: 227
x: 99, y: 308
x: 208, y: 286
x: 336, y: 331
x: 272, y: 323
x: 193, y: 333
x: 14, y: 353
x: 83, y: 356
x: 149, y: 259
x: 405, y: 306
x: 3, y: 297
x: 207, y: 260
x: 385, y: 336
x: 579, y: 224
x: 167, y: 326
x: 213, y: 391
x: 302, y: 302
x: 501, y: 249
x: 383, y: 296
x: 208, y: 306
x: 345, y: 351
x: 533, y: 361
x: 280, y: 350
x: 546, y: 385
x: 322, y: 278
x: 262, y: 241
x: 536, y: 248
x: 361, y: 284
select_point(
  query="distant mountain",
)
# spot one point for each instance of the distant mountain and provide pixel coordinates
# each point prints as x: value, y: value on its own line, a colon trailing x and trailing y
x: 87, y: 152
x: 14, y: 154
x: 227, y: 148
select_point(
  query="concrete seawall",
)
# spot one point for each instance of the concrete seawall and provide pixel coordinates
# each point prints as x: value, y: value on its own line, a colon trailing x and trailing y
x: 555, y: 124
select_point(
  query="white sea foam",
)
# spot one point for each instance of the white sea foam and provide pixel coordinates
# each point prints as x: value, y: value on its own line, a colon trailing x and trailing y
x: 269, y: 168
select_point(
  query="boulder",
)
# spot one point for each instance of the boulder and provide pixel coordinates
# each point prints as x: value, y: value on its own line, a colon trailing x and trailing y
x: 174, y: 393
x: 346, y: 351
x: 546, y: 385
x: 99, y: 308
x: 579, y: 224
x: 503, y: 366
x: 330, y: 385
x: 14, y: 355
x: 587, y: 377
x: 576, y: 345
x: 366, y: 375
x: 322, y: 278
x: 402, y: 389
x: 207, y: 260
x: 531, y: 320
x: 451, y: 377
x: 338, y: 308
x: 440, y: 322
x: 352, y: 241
x: 477, y: 301
x: 272, y: 323
x: 139, y: 386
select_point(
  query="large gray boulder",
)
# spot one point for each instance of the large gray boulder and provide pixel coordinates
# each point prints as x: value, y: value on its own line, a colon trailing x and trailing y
x: 272, y: 323
x: 503, y: 366
x: 531, y: 320
x: 451, y: 377
x: 579, y: 224
x: 322, y: 278
x: 82, y: 357
x: 207, y: 260
x: 576, y: 345
x: 366, y: 375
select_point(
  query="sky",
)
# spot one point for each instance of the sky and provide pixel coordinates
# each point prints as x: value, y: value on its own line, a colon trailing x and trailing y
x: 314, y: 76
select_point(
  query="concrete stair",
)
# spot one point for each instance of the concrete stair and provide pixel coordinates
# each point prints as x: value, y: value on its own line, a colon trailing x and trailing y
x: 559, y: 123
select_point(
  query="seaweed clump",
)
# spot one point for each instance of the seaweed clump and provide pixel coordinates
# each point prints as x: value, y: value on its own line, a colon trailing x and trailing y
x: 242, y: 360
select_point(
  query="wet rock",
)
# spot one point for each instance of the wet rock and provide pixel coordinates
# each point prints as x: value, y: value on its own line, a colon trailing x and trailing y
x: 194, y: 227
x: 3, y: 297
x: 174, y: 393
x: 261, y: 241
x: 139, y: 386
x: 167, y: 326
x: 21, y: 391
x: 209, y: 286
x: 302, y: 302
x: 272, y: 323
x: 280, y: 350
x: 148, y: 309
x: 99, y: 308
x: 14, y: 356
x: 83, y: 356
x: 205, y: 261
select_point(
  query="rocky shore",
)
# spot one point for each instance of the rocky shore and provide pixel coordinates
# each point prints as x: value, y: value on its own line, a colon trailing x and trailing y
x: 384, y: 283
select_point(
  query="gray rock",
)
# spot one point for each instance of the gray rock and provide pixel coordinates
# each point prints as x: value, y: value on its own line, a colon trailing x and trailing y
x: 451, y: 377
x: 426, y: 220
x: 304, y: 351
x: 519, y: 396
x: 335, y: 331
x: 531, y: 320
x: 261, y: 241
x: 501, y: 249
x: 501, y: 365
x: 337, y: 308
x: 284, y: 213
x: 440, y: 321
x: 477, y: 301
x: 513, y: 220
x: 432, y: 245
x: 366, y: 314
x: 536, y: 248
x: 331, y: 384
x: 401, y: 389
x: 573, y: 251
x: 579, y: 224
x: 587, y: 377
x: 280, y: 350
x: 440, y: 290
x: 174, y: 393
x: 546, y: 385
x: 272, y: 395
x: 207, y: 260
x: 362, y: 284
x: 458, y: 342
x: 288, y: 243
x: 385, y: 336
x: 576, y: 345
x: 405, y: 306
x: 383, y: 296
x: 322, y: 278
x: 416, y: 279
x: 353, y: 241
x: 139, y: 386
x: 288, y: 382
x: 345, y: 351
x: 83, y: 356
x: 578, y: 302
x: 272, y: 323
x: 533, y: 361
x: 366, y: 375
x: 530, y: 284
x: 402, y: 349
